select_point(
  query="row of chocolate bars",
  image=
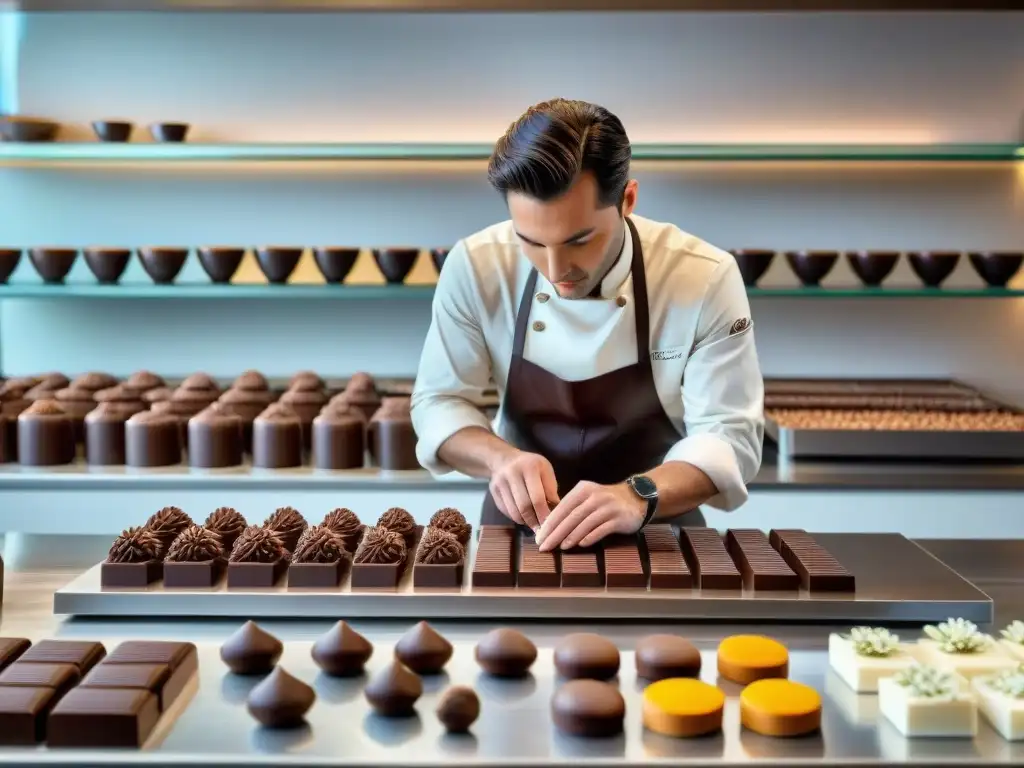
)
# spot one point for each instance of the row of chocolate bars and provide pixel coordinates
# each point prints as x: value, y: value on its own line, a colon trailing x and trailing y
x: 171, y: 547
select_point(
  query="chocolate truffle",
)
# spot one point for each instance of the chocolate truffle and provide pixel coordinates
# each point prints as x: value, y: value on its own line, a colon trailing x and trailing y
x: 659, y: 657
x: 423, y: 650
x: 342, y: 652
x: 215, y: 438
x: 453, y: 521
x: 167, y: 523
x: 319, y: 560
x: 338, y: 439
x: 257, y: 545
x: 380, y: 546
x: 199, y: 382
x: 252, y: 381
x: 143, y: 381
x: 306, y: 404
x: 194, y: 559
x: 280, y: 701
x: 400, y: 521
x: 157, y: 395
x: 586, y: 655
x: 288, y: 523
x: 133, y: 559
x: 104, y: 435
x: 505, y: 652
x: 45, y: 435
x: 588, y: 708
x: 306, y: 381
x: 277, y: 438
x: 121, y: 395
x: 227, y: 523
x: 251, y: 650
x: 346, y: 524
x: 394, y: 690
x: 93, y: 381
x: 152, y: 440
x: 439, y: 547
x: 392, y: 437
x: 458, y: 709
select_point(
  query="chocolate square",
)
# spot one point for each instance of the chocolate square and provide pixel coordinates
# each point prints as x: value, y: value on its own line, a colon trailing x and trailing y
x: 182, y: 659
x: 11, y: 648
x: 316, y: 575
x: 148, y: 677
x: 255, y: 575
x: 581, y: 568
x: 130, y: 575
x: 623, y: 568
x: 61, y: 677
x: 202, y: 575
x: 667, y: 568
x: 103, y: 717
x: 84, y: 654
x: 23, y: 713
x: 438, y: 575
x: 536, y: 568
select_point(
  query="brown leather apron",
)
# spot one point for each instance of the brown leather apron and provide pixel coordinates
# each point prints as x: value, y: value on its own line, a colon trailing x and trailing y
x: 603, y: 429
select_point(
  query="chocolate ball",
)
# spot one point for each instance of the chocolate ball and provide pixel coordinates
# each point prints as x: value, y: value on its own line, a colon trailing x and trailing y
x: 458, y: 709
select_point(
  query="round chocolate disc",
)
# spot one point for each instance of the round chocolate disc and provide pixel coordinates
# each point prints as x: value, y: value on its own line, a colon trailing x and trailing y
x: 280, y: 701
x: 458, y: 709
x: 586, y: 655
x: 251, y: 651
x: 588, y: 708
x: 342, y: 652
x: 659, y: 657
x: 505, y: 652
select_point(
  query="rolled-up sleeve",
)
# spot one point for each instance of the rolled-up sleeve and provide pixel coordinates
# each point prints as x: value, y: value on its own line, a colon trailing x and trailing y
x: 455, y: 365
x: 723, y: 393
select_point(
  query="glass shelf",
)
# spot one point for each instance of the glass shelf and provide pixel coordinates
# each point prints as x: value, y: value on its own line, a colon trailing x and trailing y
x: 98, y: 152
x: 398, y: 292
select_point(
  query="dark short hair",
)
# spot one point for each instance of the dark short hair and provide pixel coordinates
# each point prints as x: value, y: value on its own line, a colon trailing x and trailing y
x: 543, y: 152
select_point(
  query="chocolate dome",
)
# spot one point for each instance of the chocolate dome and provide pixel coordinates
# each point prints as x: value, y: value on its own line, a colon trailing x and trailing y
x: 505, y: 652
x: 253, y: 381
x: 458, y: 709
x: 305, y: 381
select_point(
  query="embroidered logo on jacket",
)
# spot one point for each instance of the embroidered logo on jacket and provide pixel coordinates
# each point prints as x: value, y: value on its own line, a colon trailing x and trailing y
x: 739, y: 326
x: 668, y: 354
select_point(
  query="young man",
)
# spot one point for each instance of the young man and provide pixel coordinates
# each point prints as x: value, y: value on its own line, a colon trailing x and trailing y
x: 622, y: 348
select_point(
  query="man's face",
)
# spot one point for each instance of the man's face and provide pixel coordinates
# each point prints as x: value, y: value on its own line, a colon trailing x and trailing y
x: 571, y: 240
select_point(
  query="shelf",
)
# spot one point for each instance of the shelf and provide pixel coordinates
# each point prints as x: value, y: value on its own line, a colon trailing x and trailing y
x: 97, y: 152
x: 356, y: 292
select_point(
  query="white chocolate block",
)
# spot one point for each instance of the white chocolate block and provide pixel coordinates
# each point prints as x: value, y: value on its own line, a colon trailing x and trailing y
x: 988, y: 662
x: 862, y: 673
x: 858, y: 708
x: 1016, y: 650
x: 1004, y: 713
x: 920, y: 716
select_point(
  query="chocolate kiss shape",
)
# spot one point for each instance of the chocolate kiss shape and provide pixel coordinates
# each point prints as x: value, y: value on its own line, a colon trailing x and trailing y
x: 458, y: 709
x: 393, y: 691
x: 505, y: 652
x: 251, y: 651
x: 342, y: 652
x: 280, y: 701
x: 423, y: 650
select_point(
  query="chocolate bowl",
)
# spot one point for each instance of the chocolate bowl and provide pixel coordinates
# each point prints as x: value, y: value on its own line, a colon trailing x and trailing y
x: 220, y: 263
x: 53, y: 264
x: 163, y: 264
x: 872, y: 267
x: 438, y: 255
x: 811, y: 266
x: 753, y: 263
x: 9, y: 258
x: 107, y: 264
x: 27, y: 129
x: 169, y: 132
x: 112, y: 130
x: 996, y: 268
x: 395, y: 263
x: 277, y: 263
x: 335, y: 263
x: 933, y: 266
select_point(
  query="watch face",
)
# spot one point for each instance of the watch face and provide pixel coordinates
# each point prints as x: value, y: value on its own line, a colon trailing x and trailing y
x: 645, y: 487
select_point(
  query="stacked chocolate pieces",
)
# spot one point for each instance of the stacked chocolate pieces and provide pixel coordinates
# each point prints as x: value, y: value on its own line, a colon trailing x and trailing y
x: 623, y: 567
x: 667, y: 565
x: 536, y: 568
x: 493, y: 566
x: 819, y: 571
x: 709, y: 559
x: 761, y: 565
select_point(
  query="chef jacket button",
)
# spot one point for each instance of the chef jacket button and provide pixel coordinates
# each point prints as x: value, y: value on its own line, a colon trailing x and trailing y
x: 542, y: 297
x: 621, y: 301
x: 538, y: 326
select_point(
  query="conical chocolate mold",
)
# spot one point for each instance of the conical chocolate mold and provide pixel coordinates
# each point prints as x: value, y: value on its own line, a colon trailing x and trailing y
x: 342, y: 652
x: 393, y: 691
x: 280, y: 701
x: 251, y: 650
x: 423, y: 650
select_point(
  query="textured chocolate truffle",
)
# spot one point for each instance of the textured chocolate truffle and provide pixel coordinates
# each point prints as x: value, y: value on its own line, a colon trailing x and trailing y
x: 380, y: 546
x: 195, y: 545
x: 143, y: 381
x: 453, y: 521
x: 439, y: 547
x: 306, y: 381
x: 346, y: 524
x: 338, y: 438
x: 46, y: 436
x: 505, y: 652
x: 257, y: 545
x: 423, y: 650
x: 277, y: 438
x: 394, y: 690
x: 588, y: 708
x: 167, y: 524
x: 458, y: 709
x: 152, y: 439
x: 400, y: 521
x: 280, y: 701
x: 135, y: 545
x: 252, y: 381
x: 104, y: 435
x: 319, y: 544
x: 342, y: 652
x: 586, y: 655
x: 288, y: 523
x: 93, y: 381
x: 215, y: 438
x: 199, y: 382
x: 251, y: 650
x: 227, y: 523
x: 659, y: 657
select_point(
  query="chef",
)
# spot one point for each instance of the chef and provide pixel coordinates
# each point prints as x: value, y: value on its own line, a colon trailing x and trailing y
x: 622, y: 348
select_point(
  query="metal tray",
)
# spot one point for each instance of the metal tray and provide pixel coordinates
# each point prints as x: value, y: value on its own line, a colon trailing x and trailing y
x: 897, y: 581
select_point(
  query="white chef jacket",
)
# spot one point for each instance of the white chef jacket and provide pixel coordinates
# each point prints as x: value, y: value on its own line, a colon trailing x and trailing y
x: 702, y: 345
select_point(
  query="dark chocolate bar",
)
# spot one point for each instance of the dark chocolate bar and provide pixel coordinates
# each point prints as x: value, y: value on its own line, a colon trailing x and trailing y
x: 536, y: 568
x: 11, y: 648
x: 181, y: 658
x: 23, y: 713
x: 84, y: 654
x: 493, y: 564
x: 668, y: 569
x: 103, y: 717
x: 819, y: 571
x: 709, y: 559
x: 762, y: 567
x: 61, y: 677
x: 582, y: 568
x: 147, y: 677
x: 623, y: 567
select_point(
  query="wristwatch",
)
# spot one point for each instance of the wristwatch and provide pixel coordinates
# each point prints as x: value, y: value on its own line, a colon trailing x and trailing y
x: 645, y: 488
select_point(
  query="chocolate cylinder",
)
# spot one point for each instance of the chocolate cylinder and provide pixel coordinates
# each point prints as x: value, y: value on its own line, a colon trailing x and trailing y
x: 76, y: 403
x: 152, y: 440
x: 215, y: 438
x: 247, y: 404
x: 392, y: 437
x: 12, y: 405
x: 180, y: 410
x: 124, y: 397
x: 277, y: 438
x: 339, y: 440
x: 46, y: 436
x: 5, y: 448
x: 307, y: 404
x: 104, y: 435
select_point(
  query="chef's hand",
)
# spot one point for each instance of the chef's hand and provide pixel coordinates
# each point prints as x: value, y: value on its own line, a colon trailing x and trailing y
x: 523, y: 488
x: 588, y: 513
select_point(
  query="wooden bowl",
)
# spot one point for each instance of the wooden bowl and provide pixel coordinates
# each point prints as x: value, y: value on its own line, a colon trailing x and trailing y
x: 220, y: 262
x: 872, y: 267
x: 933, y: 267
x: 107, y: 264
x: 335, y: 263
x: 53, y: 264
x: 278, y: 262
x: 163, y: 263
x: 27, y: 129
x: 996, y: 268
x: 174, y: 133
x: 113, y: 130
x: 9, y: 258
x: 395, y: 263
x: 753, y: 263
x: 811, y: 266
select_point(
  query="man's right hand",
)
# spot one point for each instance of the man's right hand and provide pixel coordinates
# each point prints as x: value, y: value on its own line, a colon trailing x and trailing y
x: 523, y: 487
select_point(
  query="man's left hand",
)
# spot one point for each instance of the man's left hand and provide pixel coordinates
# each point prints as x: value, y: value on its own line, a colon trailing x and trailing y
x: 588, y: 513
